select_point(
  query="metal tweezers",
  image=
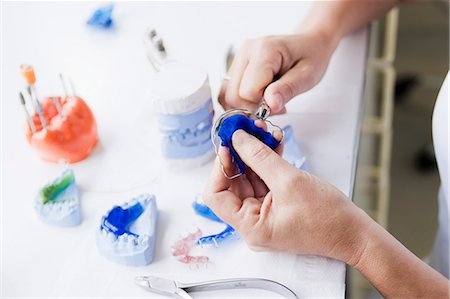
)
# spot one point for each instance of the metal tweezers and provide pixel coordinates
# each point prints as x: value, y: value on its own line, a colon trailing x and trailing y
x: 176, y: 289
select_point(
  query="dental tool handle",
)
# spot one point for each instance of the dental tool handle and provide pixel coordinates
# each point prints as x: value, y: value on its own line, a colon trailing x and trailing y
x: 63, y: 83
x: 72, y: 88
x: 37, y: 105
x: 27, y: 115
x: 240, y: 283
x: 58, y: 106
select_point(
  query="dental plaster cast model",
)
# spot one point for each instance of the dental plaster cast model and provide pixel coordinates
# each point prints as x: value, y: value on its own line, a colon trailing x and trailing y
x: 69, y: 136
x: 57, y: 202
x: 127, y: 233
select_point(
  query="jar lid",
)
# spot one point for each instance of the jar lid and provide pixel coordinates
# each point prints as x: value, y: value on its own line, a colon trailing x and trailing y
x: 179, y: 88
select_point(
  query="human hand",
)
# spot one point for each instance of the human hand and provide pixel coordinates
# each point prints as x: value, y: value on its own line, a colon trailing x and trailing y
x: 277, y: 68
x: 277, y: 207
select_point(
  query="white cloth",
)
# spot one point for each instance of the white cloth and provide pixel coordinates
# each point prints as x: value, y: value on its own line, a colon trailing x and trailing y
x: 439, y: 258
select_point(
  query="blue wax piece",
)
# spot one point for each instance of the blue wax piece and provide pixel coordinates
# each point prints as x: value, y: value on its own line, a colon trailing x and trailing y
x: 204, y: 211
x: 58, y: 202
x: 119, y: 219
x: 127, y: 233
x: 102, y: 17
x: 238, y: 121
x: 216, y: 239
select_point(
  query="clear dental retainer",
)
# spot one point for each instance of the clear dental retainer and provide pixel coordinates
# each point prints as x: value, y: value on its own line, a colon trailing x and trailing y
x: 260, y: 122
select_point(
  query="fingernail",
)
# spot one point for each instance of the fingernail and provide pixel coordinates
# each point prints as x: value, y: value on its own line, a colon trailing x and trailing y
x: 239, y: 137
x: 277, y: 99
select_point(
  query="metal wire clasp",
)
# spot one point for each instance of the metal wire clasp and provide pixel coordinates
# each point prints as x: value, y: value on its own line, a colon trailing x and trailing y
x: 263, y: 111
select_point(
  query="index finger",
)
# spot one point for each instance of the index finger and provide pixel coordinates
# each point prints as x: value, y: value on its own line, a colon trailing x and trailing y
x: 223, y: 202
x: 257, y: 76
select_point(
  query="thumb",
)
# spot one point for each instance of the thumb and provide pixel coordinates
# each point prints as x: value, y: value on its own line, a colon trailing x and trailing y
x: 266, y: 163
x: 298, y: 79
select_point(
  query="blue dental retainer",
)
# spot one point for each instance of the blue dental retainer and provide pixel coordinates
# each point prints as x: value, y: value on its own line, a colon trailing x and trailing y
x: 235, y: 122
x: 58, y: 203
x: 127, y: 233
x: 204, y: 211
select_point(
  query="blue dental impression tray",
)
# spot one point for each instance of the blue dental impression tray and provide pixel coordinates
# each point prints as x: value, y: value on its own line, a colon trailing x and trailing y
x: 238, y: 121
x: 204, y: 211
x: 57, y: 203
x: 127, y: 233
x: 101, y: 17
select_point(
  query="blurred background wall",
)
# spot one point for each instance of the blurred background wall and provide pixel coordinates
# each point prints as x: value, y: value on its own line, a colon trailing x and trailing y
x: 397, y: 179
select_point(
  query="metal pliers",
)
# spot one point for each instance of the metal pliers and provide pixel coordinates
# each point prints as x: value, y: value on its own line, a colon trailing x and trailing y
x: 176, y: 289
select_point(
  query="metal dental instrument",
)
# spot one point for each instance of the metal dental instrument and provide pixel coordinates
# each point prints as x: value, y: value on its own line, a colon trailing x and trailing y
x: 58, y: 106
x: 30, y: 78
x: 72, y: 88
x: 29, y: 120
x: 155, y: 49
x: 61, y: 78
x: 176, y: 289
x: 36, y: 105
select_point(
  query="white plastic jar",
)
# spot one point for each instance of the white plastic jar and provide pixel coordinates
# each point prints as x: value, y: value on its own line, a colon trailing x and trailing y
x: 181, y: 98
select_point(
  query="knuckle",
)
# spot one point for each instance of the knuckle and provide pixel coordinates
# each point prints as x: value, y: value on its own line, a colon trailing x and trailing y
x: 293, y: 181
x: 287, y: 89
x: 249, y: 92
x: 247, y: 44
x: 255, y: 248
x: 258, y: 239
x: 206, y: 197
x: 253, y: 240
x: 269, y: 42
x: 311, y: 74
x: 267, y: 49
x: 259, y: 152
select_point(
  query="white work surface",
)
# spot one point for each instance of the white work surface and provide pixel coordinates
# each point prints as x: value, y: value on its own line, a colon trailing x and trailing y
x: 111, y: 72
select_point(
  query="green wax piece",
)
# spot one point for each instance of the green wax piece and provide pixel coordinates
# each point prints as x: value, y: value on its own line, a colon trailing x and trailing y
x: 52, y: 190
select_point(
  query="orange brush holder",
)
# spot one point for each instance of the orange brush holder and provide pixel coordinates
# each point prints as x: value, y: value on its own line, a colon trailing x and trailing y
x: 69, y: 137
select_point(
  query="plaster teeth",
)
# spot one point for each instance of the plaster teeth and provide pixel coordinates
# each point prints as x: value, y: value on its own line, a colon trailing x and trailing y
x: 123, y: 238
x: 143, y: 199
x: 122, y: 241
x: 111, y: 237
x: 129, y: 248
x: 142, y: 240
x: 132, y: 241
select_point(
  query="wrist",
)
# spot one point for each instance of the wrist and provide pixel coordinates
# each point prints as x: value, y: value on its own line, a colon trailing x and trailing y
x: 324, y: 23
x: 353, y: 240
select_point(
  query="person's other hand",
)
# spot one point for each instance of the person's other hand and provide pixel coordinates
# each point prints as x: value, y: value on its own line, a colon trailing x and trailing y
x: 277, y: 207
x: 277, y: 68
